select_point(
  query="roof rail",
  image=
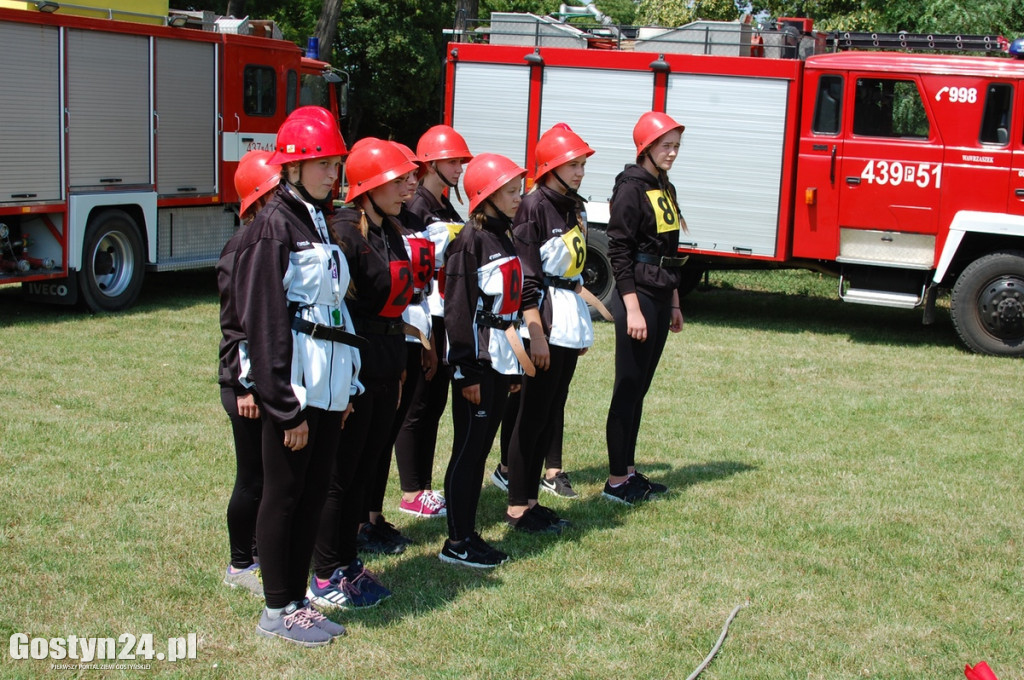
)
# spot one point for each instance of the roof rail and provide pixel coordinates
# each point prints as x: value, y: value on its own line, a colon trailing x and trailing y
x: 865, y: 40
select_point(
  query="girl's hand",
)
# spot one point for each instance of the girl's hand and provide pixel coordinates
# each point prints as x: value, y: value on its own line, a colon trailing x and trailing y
x: 676, y: 323
x: 471, y: 393
x: 297, y: 437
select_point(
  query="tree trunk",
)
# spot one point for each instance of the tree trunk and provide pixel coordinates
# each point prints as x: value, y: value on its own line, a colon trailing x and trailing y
x: 235, y: 8
x: 466, y: 10
x: 327, y: 28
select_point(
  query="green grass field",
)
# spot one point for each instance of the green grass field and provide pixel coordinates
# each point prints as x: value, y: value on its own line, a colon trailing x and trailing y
x: 853, y: 476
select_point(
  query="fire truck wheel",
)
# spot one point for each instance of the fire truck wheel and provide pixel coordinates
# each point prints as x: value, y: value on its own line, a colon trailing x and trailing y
x: 112, y: 262
x: 987, y: 304
x: 597, y: 273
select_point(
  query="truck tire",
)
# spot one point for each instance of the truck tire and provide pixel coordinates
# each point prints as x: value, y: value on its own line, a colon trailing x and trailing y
x: 987, y: 304
x: 597, y: 272
x: 112, y: 262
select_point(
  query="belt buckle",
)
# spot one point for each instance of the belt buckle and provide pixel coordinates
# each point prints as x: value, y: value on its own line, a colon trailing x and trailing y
x: 320, y: 332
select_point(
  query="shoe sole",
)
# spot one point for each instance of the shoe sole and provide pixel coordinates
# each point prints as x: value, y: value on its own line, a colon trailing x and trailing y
x: 301, y: 643
x: 237, y: 585
x: 391, y: 549
x: 442, y: 513
x: 464, y: 563
x: 623, y: 501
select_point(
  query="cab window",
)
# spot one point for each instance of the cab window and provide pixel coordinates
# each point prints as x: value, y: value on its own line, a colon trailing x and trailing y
x: 259, y: 94
x: 828, y: 107
x: 889, y: 108
x: 995, y: 121
x: 292, y: 90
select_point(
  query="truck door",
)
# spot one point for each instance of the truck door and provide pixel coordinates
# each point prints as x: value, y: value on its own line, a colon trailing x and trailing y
x: 1015, y: 129
x: 816, y: 208
x: 259, y: 91
x: 890, y: 174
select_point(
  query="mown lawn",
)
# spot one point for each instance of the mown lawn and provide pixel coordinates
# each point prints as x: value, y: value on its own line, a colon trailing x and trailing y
x: 853, y: 476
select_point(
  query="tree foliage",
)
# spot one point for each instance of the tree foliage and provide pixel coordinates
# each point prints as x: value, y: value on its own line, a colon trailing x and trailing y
x: 930, y: 16
x: 679, y: 12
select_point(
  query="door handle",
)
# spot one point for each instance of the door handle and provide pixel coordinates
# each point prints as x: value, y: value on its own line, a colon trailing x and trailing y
x: 1019, y: 193
x: 853, y: 181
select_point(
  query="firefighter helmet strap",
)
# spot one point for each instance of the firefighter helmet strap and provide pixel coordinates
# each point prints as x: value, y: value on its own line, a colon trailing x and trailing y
x: 569, y: 191
x: 502, y: 217
x: 447, y: 183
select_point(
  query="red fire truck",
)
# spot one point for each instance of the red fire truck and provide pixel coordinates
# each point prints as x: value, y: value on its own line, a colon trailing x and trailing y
x: 119, y: 141
x: 902, y: 174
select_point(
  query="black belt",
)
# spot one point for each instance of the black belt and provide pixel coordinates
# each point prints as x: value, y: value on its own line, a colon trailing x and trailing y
x: 321, y: 332
x: 485, y: 318
x: 380, y: 326
x: 559, y: 282
x: 662, y: 261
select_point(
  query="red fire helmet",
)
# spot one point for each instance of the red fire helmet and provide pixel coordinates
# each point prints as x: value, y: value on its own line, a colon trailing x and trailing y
x: 255, y: 176
x: 487, y: 173
x: 652, y: 125
x: 373, y: 163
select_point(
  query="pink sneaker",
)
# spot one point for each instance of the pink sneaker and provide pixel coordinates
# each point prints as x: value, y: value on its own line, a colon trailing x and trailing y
x: 426, y: 504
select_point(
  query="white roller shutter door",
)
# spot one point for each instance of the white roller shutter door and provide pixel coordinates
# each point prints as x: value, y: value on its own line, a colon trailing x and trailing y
x: 30, y: 122
x: 185, y: 106
x: 491, y: 108
x: 729, y: 170
x: 110, y: 128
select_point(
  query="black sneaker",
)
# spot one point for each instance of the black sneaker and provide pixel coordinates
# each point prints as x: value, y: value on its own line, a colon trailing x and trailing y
x: 372, y: 539
x: 472, y: 552
x: 631, y: 492
x: 499, y: 478
x: 653, y: 486
x: 389, y: 530
x: 558, y: 485
x: 552, y: 517
x: 534, y: 521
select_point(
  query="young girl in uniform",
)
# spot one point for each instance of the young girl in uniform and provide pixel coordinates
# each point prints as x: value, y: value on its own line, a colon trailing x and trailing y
x: 377, y: 534
x: 255, y: 178
x: 482, y: 290
x: 551, y: 244
x: 442, y: 152
x: 288, y: 288
x: 381, y: 289
x: 643, y: 239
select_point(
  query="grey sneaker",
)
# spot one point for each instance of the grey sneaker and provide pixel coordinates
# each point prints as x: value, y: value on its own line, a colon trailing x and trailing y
x: 499, y: 478
x: 249, y: 578
x: 558, y: 485
x: 294, y: 625
x: 321, y: 621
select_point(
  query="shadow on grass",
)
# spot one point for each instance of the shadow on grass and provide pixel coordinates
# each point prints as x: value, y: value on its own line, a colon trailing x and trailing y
x: 794, y: 313
x: 422, y: 583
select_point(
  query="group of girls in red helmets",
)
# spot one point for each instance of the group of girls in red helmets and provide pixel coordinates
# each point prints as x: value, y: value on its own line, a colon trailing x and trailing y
x: 343, y: 330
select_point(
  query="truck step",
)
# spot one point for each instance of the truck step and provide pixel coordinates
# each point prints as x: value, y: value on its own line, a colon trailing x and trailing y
x: 881, y: 298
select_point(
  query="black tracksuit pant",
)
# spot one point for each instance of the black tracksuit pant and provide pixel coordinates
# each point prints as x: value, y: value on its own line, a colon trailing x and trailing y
x: 417, y: 435
x: 244, y: 504
x: 635, y: 363
x: 538, y: 428
x: 474, y: 427
x: 366, y: 435
x: 294, y: 487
